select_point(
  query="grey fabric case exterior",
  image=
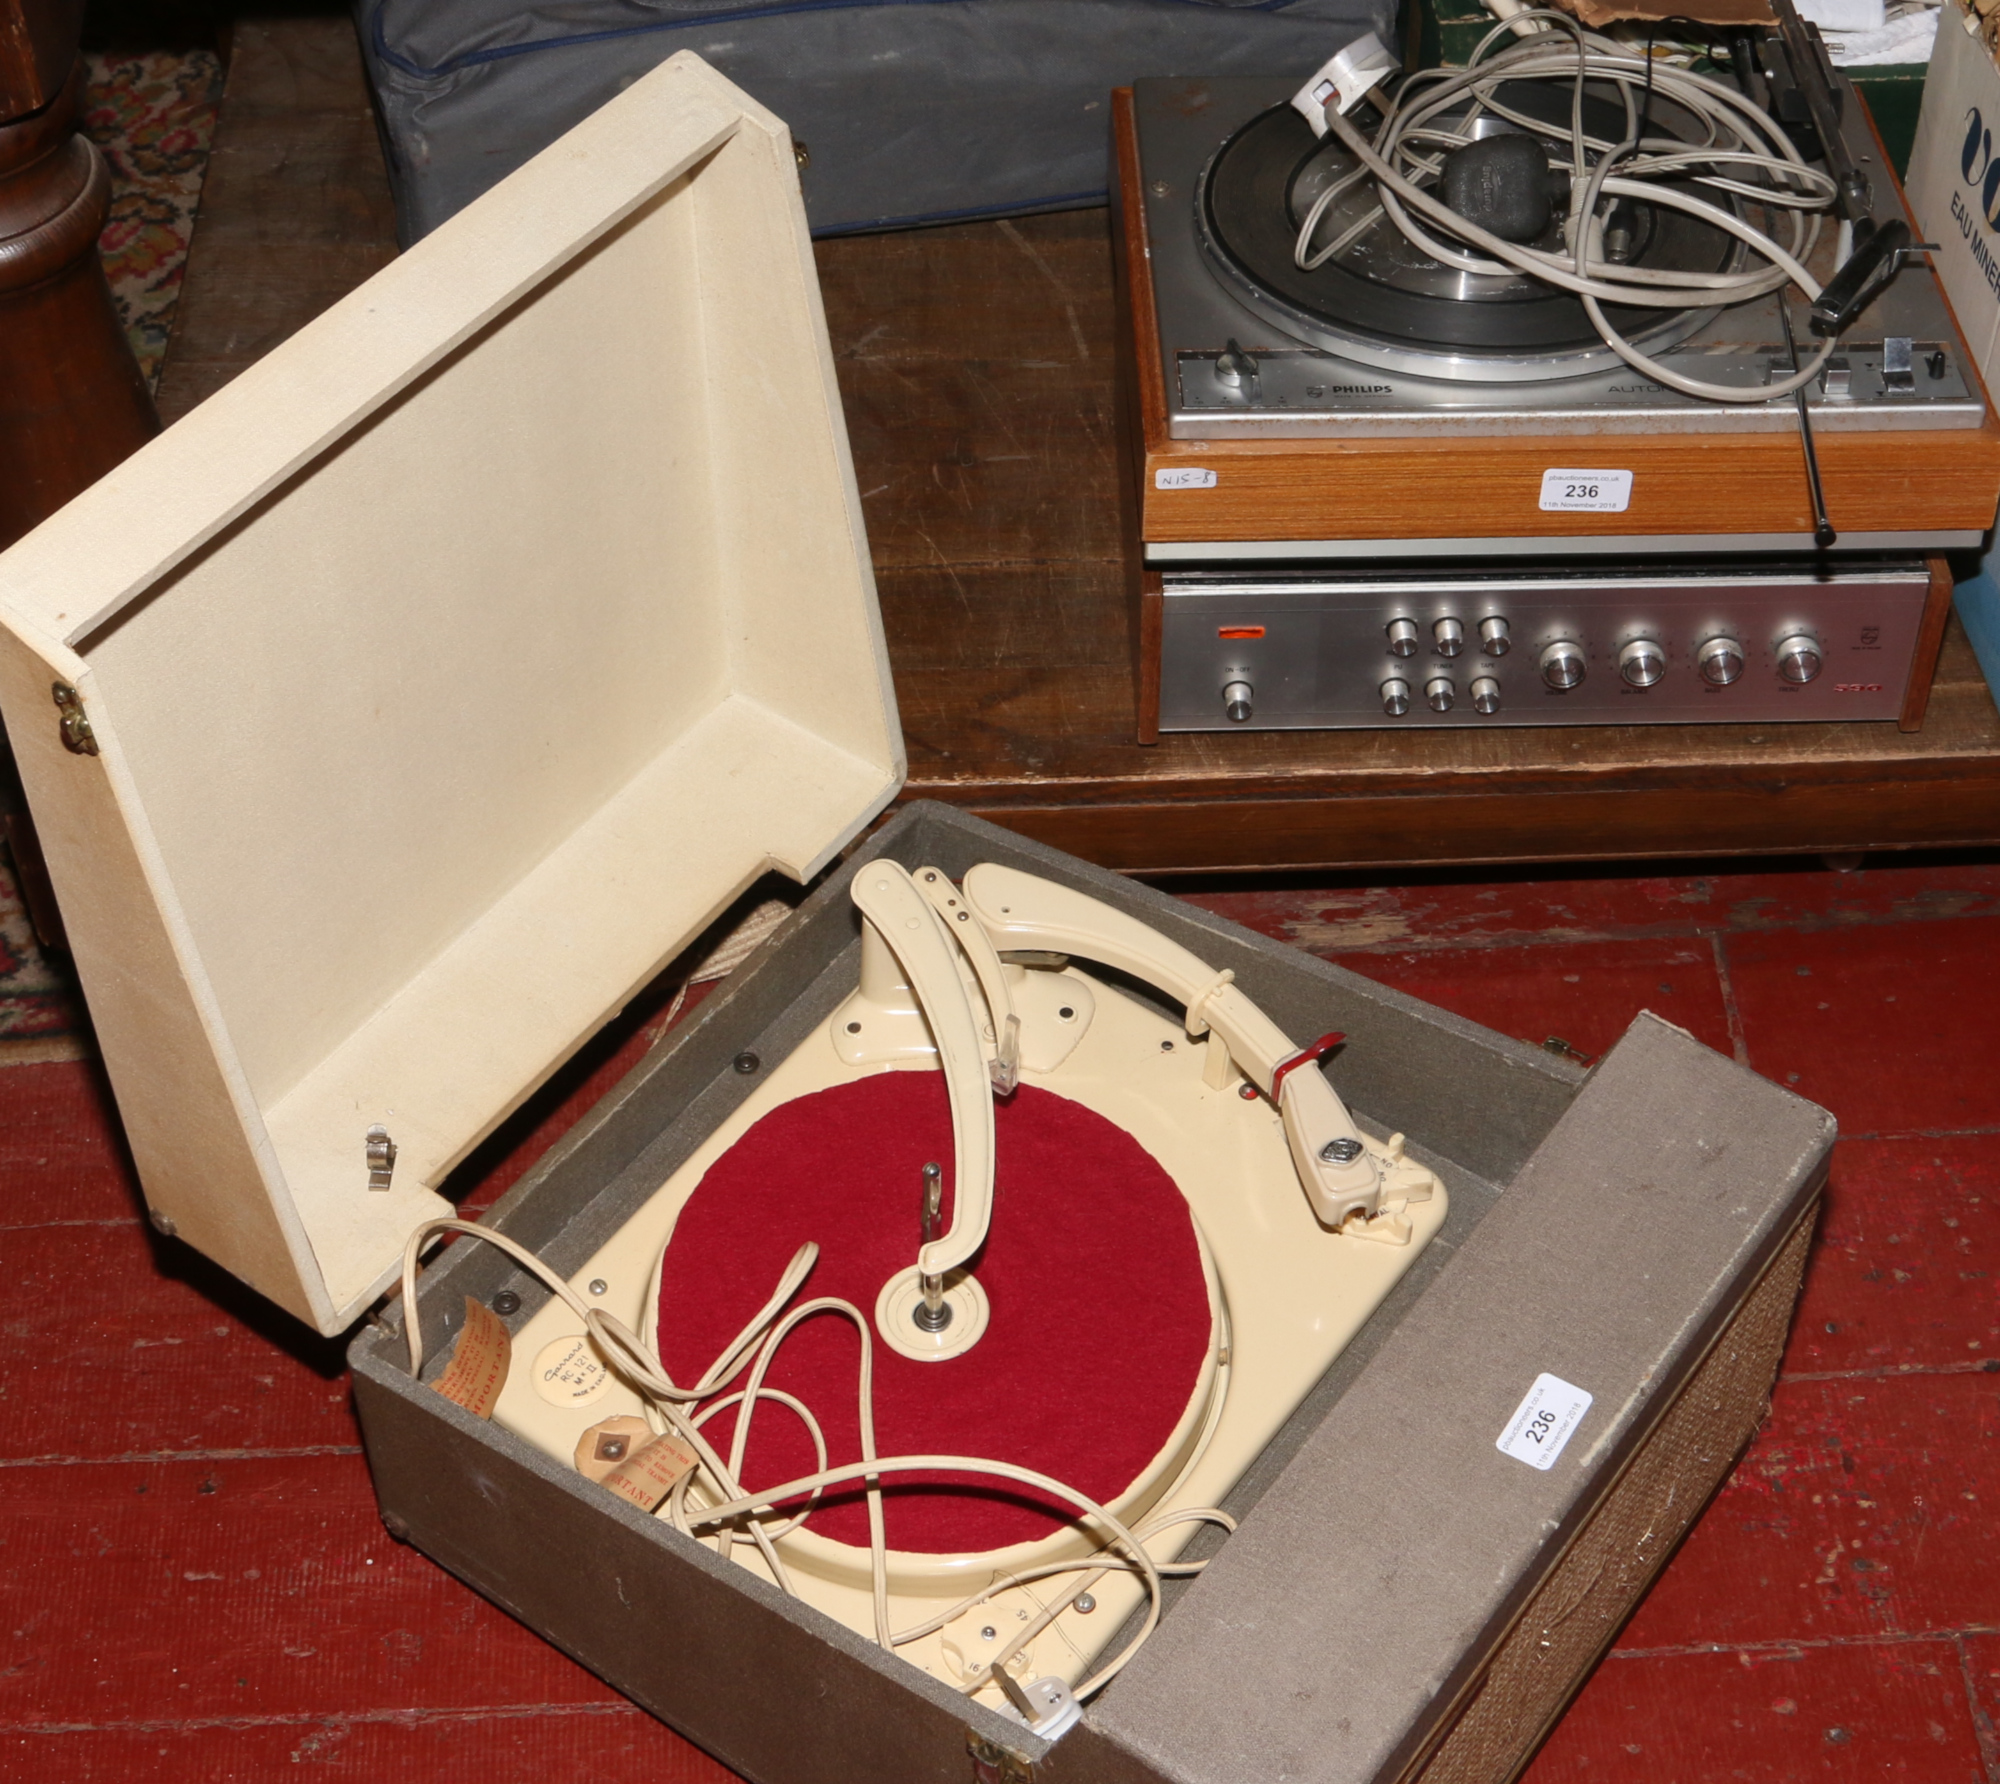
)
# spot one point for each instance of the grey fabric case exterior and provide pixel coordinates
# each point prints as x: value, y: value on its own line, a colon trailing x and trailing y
x: 915, y: 111
x: 1387, y: 1546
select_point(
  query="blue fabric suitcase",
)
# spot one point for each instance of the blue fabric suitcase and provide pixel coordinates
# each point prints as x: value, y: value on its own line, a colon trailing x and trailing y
x: 912, y: 111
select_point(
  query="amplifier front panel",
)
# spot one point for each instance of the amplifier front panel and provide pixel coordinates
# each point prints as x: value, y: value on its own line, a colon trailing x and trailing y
x: 1246, y: 652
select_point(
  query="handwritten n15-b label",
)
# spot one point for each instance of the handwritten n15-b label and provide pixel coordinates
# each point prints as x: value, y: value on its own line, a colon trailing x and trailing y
x: 1543, y: 1422
x: 1587, y: 492
x: 1183, y: 477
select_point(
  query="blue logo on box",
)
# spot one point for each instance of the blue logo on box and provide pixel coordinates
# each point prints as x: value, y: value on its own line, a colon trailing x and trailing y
x: 1982, y: 173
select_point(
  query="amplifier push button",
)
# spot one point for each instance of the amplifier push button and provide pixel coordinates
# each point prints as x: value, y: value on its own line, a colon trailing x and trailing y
x: 1485, y: 695
x: 1450, y: 636
x: 1395, y: 696
x: 1493, y: 636
x: 1440, y: 693
x: 1402, y: 637
x: 1237, y: 698
x: 1562, y: 664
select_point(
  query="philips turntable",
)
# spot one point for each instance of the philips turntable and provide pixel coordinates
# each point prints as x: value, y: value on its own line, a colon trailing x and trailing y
x: 1387, y: 478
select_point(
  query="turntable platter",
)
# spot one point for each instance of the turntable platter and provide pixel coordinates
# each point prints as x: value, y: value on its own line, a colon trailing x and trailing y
x: 1087, y: 1370
x: 1381, y: 291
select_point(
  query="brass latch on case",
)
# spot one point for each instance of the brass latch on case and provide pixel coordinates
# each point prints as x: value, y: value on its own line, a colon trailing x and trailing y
x: 381, y: 1157
x: 995, y: 1764
x: 77, y: 736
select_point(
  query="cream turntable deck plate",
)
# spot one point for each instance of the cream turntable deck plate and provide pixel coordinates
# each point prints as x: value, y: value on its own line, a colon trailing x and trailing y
x: 1266, y: 1231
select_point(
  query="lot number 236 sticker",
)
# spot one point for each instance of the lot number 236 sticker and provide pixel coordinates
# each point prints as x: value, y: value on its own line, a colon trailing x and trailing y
x: 1587, y: 492
x: 1544, y: 1421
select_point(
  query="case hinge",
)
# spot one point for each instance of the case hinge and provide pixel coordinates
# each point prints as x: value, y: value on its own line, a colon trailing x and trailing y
x: 381, y: 1158
x: 995, y: 1764
x: 77, y: 736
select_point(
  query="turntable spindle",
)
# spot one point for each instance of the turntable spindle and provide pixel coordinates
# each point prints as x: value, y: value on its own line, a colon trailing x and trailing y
x: 933, y: 1313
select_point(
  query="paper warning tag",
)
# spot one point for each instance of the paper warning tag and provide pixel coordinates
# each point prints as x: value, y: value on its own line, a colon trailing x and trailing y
x: 609, y: 1442
x: 1183, y: 477
x: 647, y: 1476
x: 478, y: 1367
x: 1542, y: 1423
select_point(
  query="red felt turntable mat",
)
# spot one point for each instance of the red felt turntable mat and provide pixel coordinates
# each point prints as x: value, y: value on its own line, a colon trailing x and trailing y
x: 1100, y: 1314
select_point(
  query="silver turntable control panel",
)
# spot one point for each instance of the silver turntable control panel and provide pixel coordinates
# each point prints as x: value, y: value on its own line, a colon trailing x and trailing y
x: 1330, y: 649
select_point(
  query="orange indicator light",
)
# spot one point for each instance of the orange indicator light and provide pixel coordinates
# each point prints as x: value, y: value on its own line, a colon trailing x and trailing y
x: 1239, y: 631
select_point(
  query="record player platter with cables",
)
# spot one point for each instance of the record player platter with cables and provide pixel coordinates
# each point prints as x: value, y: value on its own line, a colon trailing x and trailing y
x: 1013, y: 1272
x: 1560, y: 389
x: 1378, y: 300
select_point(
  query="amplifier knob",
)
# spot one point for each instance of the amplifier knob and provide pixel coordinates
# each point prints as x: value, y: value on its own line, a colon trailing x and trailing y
x: 1440, y: 693
x: 1485, y: 695
x: 1395, y: 697
x: 1720, y: 661
x: 1402, y: 637
x: 1236, y: 701
x: 1493, y: 636
x: 1450, y: 636
x: 1798, y: 658
x: 1642, y: 663
x: 1562, y: 664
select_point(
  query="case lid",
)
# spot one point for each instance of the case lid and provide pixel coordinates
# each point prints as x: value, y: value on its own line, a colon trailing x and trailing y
x: 438, y: 679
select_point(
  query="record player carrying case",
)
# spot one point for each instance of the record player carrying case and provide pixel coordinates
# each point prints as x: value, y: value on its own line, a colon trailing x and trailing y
x: 397, y: 714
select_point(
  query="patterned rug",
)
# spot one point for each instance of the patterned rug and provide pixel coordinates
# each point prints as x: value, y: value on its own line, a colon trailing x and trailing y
x: 153, y: 114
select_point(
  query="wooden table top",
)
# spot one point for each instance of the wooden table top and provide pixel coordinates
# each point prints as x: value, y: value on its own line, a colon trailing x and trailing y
x: 977, y: 363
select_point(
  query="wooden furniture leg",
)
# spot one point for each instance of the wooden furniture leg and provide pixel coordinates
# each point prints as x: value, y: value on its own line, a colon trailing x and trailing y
x: 72, y: 402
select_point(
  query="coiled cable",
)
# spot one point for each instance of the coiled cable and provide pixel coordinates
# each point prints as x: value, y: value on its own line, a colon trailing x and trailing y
x: 1743, y: 157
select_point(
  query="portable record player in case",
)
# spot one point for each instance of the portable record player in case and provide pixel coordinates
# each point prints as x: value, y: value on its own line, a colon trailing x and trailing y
x: 1378, y: 491
x: 397, y: 714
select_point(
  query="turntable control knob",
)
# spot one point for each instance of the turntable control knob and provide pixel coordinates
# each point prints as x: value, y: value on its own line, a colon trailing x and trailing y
x: 1562, y: 664
x: 1485, y: 695
x: 1439, y: 692
x: 1493, y: 636
x: 1236, y: 701
x: 1395, y: 696
x: 1642, y: 662
x: 1720, y: 661
x: 1402, y: 637
x: 1798, y: 658
x: 1450, y: 636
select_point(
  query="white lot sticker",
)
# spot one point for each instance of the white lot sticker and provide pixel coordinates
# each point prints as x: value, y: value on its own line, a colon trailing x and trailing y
x: 1189, y: 477
x: 1587, y: 492
x: 1542, y: 1423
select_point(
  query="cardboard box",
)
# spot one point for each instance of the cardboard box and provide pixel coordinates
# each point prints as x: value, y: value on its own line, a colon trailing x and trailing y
x: 1446, y: 32
x: 1954, y: 190
x: 1954, y: 183
x: 399, y: 712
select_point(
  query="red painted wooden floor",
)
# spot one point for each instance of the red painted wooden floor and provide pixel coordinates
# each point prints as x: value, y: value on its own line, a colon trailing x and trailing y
x: 196, y: 1584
